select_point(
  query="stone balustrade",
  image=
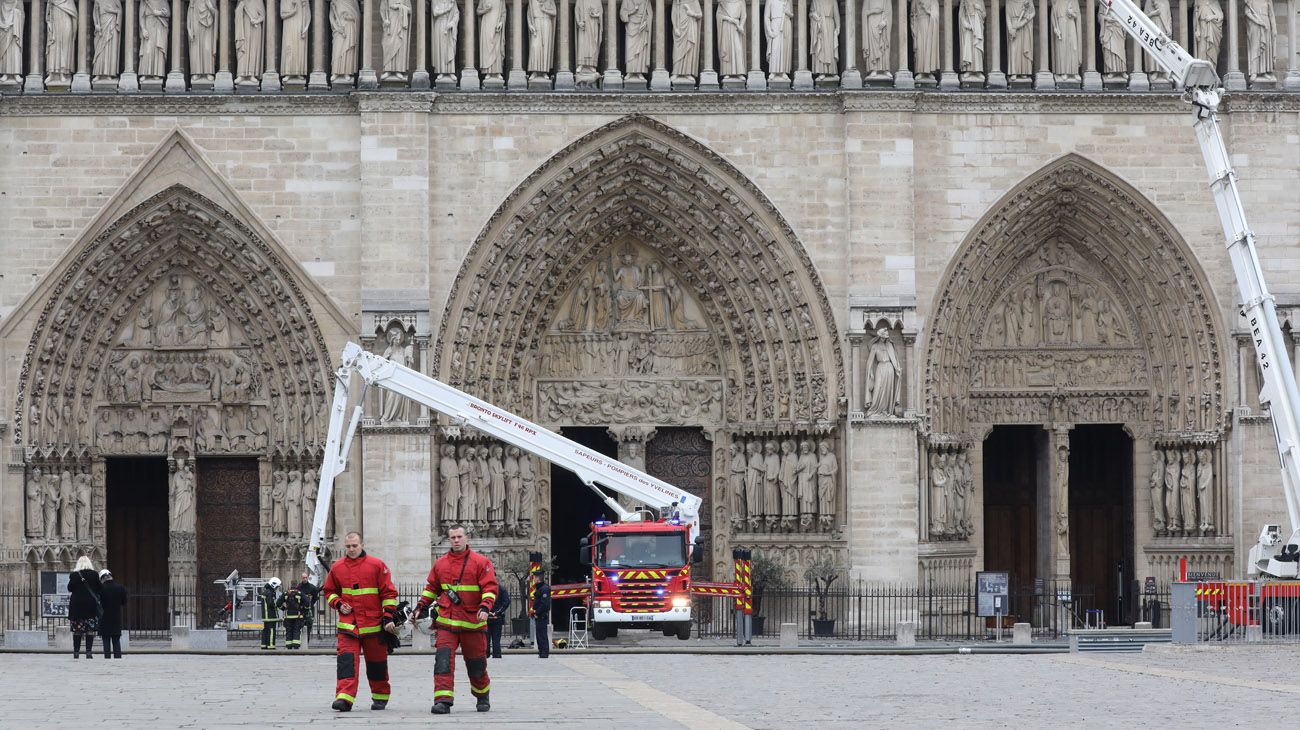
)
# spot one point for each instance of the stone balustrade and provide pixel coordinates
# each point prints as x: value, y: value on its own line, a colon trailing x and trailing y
x: 268, y: 46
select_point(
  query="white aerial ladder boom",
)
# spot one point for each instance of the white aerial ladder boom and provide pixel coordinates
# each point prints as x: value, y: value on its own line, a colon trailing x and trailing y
x: 591, y: 467
x: 1200, y: 85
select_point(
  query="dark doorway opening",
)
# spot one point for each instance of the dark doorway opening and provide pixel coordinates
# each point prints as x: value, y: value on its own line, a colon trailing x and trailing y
x: 227, y: 529
x: 1012, y: 457
x: 573, y: 508
x: 683, y: 457
x: 1101, y: 518
x: 135, y: 513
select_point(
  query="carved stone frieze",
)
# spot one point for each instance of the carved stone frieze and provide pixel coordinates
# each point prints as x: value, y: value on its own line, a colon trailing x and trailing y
x: 993, y: 370
x: 599, y: 402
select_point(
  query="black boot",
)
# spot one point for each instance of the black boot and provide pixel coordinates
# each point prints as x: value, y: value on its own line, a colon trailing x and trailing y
x: 378, y: 704
x: 440, y: 708
x: 483, y: 704
x: 341, y: 705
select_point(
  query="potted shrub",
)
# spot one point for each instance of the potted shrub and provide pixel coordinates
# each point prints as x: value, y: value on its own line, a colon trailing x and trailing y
x: 516, y: 565
x: 765, y: 573
x: 820, y: 574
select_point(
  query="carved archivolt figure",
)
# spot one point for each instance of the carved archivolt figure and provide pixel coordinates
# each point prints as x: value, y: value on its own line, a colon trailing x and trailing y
x: 1020, y: 40
x: 155, y: 18
x: 12, y: 18
x: 541, y: 37
x: 731, y: 37
x: 1114, y: 41
x: 295, y: 22
x: 1066, y: 60
x: 636, y: 15
x: 60, y: 36
x: 1208, y: 30
x: 884, y: 382
x: 201, y: 24
x: 971, y: 18
x: 589, y: 24
x: 687, y: 18
x: 396, y: 18
x: 778, y: 25
x: 1261, y: 29
x: 491, y: 36
x: 108, y: 37
x: 877, y: 20
x: 250, y: 37
x: 1158, y: 11
x: 446, y: 26
x: 925, y: 35
x: 345, y: 31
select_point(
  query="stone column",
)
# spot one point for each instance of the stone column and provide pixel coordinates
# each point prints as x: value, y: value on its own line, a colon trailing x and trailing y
x: 756, y: 80
x: 224, y: 83
x: 1044, y: 80
x: 517, y: 79
x: 613, y: 76
x: 81, y: 79
x: 129, y: 81
x: 420, y: 78
x: 270, y: 76
x: 659, y: 79
x: 564, y: 80
x: 1233, y: 79
x: 1057, y: 512
x: 1091, y: 77
x: 948, y: 78
x: 1137, y: 75
x: 708, y: 74
x: 35, y: 82
x: 802, y: 75
x: 176, y: 76
x: 903, y: 78
x: 996, y: 77
x: 318, y: 79
x: 469, y: 72
x: 1292, y: 81
x: 367, y: 76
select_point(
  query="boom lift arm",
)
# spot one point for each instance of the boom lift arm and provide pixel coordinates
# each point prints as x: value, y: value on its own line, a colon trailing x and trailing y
x: 591, y: 467
x: 1200, y: 85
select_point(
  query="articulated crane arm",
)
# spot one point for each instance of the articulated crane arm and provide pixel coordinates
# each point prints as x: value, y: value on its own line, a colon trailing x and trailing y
x: 591, y: 467
x: 1200, y: 85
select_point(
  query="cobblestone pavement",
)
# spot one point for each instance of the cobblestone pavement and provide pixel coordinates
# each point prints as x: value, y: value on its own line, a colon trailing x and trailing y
x: 1168, y: 687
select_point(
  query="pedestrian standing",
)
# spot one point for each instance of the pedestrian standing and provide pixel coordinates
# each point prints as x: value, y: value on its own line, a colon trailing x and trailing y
x: 542, y: 616
x: 270, y: 598
x: 310, y: 593
x: 112, y: 596
x: 360, y: 588
x: 84, y: 608
x: 291, y: 602
x: 496, y: 622
x: 463, y: 587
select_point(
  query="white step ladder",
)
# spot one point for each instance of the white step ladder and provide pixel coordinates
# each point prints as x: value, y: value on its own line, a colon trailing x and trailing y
x: 578, y: 627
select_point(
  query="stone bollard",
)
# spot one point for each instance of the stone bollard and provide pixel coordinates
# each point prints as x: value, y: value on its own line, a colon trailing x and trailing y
x: 905, y: 633
x: 1022, y: 633
x: 180, y: 637
x: 63, y: 638
x: 126, y: 640
x: 27, y: 639
x: 789, y: 635
x: 208, y: 639
x: 1254, y: 633
x: 1142, y: 626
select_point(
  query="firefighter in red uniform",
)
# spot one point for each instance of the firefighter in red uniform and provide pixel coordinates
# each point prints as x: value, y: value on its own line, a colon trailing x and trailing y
x: 360, y: 588
x: 463, y: 587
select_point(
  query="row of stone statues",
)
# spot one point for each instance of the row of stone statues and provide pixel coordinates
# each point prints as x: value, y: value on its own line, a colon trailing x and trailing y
x: 211, y: 429
x: 1182, y: 491
x: 783, y: 483
x: 952, y: 488
x: 58, y: 501
x: 488, y: 485
x: 595, y: 26
x: 292, y: 500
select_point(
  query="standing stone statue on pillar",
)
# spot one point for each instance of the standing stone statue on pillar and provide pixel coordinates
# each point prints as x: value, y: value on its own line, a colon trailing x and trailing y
x: 465, y: 471
x: 250, y: 42
x: 736, y: 471
x: 182, y: 512
x: 877, y: 24
x: 492, y: 41
x: 687, y: 18
x: 449, y: 484
x: 771, y: 483
x: 828, y: 468
x: 60, y: 42
x: 67, y: 506
x: 395, y: 15
x: 939, y: 489
x: 778, y: 26
x: 446, y: 29
x: 1187, y: 490
x: 1208, y: 30
x: 541, y: 39
x: 1159, y: 13
x: 201, y: 25
x: 636, y: 16
x: 527, y: 493
x: 1020, y: 47
x: 12, y: 18
x: 1066, y: 41
x: 155, y: 19
x: 1261, y: 31
x: 1157, y: 488
x: 754, y: 483
x: 884, y: 381
x: 279, y: 512
x: 497, y: 486
x: 345, y: 34
x: 52, y: 503
x: 108, y: 41
x: 1205, y: 489
x: 82, y: 488
x: 514, y: 485
x: 293, y: 503
x: 34, y: 491
x: 971, y: 17
x: 1114, y: 47
x: 295, y: 23
x: 806, y: 483
x: 310, y: 488
x: 400, y: 350
x: 1173, y: 465
x: 731, y: 41
x: 824, y: 25
x: 589, y: 25
x: 789, y: 484
x: 926, y: 27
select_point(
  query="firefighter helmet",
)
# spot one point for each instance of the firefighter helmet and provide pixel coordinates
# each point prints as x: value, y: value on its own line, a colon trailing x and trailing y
x: 274, y: 582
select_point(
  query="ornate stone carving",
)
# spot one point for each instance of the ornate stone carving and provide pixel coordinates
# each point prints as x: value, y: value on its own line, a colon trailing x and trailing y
x: 201, y: 25
x: 395, y: 16
x: 1114, y: 44
x: 877, y: 24
x: 778, y: 26
x: 541, y: 38
x: 108, y: 38
x: 400, y: 348
x: 345, y: 32
x: 491, y: 37
x: 295, y: 22
x: 732, y: 33
x: 589, y: 26
x: 636, y: 16
x: 1066, y: 38
x: 883, y: 393
x: 1208, y: 29
x: 1183, y: 496
x: 925, y: 26
x: 250, y: 39
x: 1160, y: 14
x: 60, y: 38
x: 782, y: 484
x: 1020, y: 37
x: 971, y: 21
x: 446, y: 30
x: 12, y: 18
x: 182, y: 497
x: 155, y: 20
x: 687, y: 17
x: 1261, y: 32
x: 599, y: 402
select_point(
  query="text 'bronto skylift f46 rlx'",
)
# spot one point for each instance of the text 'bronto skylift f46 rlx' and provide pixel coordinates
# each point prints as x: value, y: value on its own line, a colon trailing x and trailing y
x: 640, y: 566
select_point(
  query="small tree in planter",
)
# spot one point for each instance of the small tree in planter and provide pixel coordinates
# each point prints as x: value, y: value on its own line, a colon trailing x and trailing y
x: 516, y: 566
x: 765, y: 573
x: 820, y: 574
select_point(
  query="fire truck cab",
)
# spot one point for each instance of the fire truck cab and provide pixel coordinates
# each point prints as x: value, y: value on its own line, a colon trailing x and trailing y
x: 640, y: 576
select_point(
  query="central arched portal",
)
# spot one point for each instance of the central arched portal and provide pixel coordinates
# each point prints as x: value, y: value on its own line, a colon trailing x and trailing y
x: 639, y: 294
x: 1074, y: 383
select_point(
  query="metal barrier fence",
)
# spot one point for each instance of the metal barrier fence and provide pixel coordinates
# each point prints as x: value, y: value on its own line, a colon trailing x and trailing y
x: 1237, y: 612
x: 872, y: 611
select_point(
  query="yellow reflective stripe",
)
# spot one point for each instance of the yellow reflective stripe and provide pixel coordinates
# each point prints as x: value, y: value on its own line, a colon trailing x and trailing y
x: 457, y: 623
x: 478, y: 691
x: 375, y: 696
x: 443, y: 693
x: 345, y: 696
x: 486, y: 596
x: 331, y: 598
x: 466, y: 587
x: 429, y: 595
x: 360, y: 591
x: 390, y: 602
x: 346, y: 626
x: 370, y: 630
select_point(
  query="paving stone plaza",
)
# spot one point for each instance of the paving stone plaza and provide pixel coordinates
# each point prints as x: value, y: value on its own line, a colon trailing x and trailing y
x: 1161, y: 687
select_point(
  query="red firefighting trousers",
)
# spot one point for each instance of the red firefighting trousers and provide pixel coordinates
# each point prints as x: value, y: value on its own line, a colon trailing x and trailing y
x: 349, y: 659
x: 473, y: 645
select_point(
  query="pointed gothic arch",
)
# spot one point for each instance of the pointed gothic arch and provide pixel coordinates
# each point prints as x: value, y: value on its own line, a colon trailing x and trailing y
x: 1075, y: 224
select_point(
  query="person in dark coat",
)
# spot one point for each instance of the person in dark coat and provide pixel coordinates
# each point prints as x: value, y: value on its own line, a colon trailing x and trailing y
x: 83, y: 606
x: 112, y: 595
x: 310, y: 592
x: 496, y: 621
x: 542, y: 616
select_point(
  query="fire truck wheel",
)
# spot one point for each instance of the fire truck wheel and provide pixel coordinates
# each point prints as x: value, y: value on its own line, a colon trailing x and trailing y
x: 684, y: 630
x: 598, y: 632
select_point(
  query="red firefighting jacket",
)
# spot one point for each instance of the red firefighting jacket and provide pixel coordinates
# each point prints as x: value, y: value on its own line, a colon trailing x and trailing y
x: 473, y: 578
x: 365, y: 584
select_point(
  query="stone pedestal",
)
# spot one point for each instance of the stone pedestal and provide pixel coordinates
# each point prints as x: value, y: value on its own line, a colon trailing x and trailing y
x: 905, y: 634
x: 789, y: 635
x: 15, y: 639
x: 1022, y: 634
x: 397, y: 501
x: 63, y: 638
